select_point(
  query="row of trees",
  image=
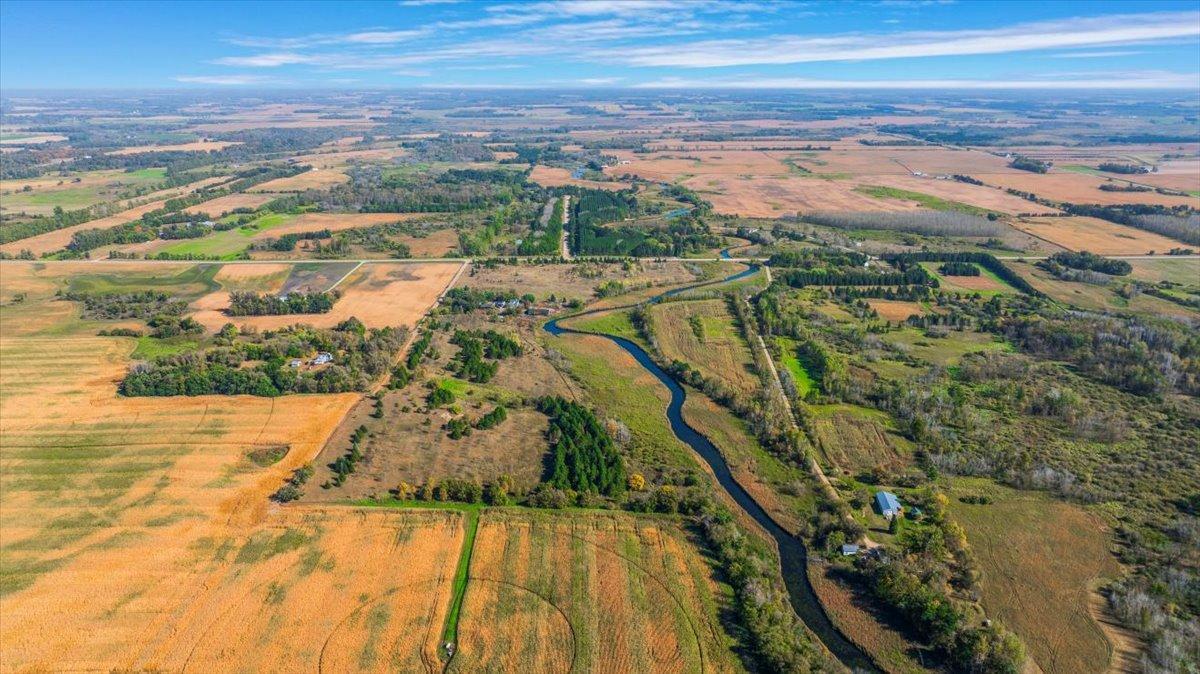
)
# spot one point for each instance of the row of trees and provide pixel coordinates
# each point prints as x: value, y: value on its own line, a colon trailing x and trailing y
x: 926, y: 222
x: 246, y: 303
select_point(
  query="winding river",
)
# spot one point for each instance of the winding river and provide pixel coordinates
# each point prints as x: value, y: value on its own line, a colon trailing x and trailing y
x: 792, y: 554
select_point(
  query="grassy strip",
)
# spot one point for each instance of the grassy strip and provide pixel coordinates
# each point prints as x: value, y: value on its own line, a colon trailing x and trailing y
x: 459, y: 587
x: 926, y: 200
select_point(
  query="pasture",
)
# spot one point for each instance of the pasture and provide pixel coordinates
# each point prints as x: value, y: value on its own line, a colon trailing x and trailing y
x: 702, y: 334
x: 855, y: 439
x: 1040, y: 559
x: 73, y: 191
x: 986, y: 283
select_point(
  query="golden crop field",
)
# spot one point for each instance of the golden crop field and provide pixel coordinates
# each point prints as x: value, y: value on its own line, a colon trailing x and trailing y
x: 595, y: 593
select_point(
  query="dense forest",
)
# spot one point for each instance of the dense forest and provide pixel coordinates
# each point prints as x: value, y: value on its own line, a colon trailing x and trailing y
x: 583, y: 457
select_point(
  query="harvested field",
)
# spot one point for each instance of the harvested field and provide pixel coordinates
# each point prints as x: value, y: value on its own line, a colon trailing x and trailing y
x: 379, y: 294
x: 549, y: 176
x: 1077, y: 188
x: 1097, y: 236
x: 1039, y: 559
x: 222, y: 205
x: 857, y: 439
x: 266, y: 278
x: 702, y: 333
x: 197, y: 146
x: 341, y: 158
x: 775, y: 196
x: 314, y: 179
x: 145, y: 517
x: 896, y: 310
x: 974, y: 195
x: 589, y: 593
x: 903, y: 161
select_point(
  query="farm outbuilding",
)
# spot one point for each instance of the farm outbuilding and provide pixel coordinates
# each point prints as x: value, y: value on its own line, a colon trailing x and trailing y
x: 887, y: 503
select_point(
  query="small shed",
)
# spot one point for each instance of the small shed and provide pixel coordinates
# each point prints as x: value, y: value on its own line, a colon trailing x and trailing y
x: 887, y: 503
x: 295, y: 362
x: 322, y: 358
x: 849, y: 549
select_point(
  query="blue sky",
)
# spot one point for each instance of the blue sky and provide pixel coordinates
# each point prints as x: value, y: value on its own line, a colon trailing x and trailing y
x: 601, y: 43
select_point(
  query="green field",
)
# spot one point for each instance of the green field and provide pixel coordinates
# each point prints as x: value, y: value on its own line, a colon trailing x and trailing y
x: 615, y: 323
x: 804, y: 382
x: 188, y: 283
x: 950, y: 282
x: 927, y: 200
x: 100, y: 186
x: 227, y: 245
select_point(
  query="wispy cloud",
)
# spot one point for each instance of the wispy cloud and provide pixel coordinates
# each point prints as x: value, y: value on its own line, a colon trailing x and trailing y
x: 786, y: 49
x: 267, y: 60
x: 1094, y: 54
x: 1122, y: 80
x: 222, y: 80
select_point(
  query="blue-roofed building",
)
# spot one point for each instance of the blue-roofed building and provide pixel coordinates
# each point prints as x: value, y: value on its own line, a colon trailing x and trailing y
x: 887, y: 503
x: 849, y: 549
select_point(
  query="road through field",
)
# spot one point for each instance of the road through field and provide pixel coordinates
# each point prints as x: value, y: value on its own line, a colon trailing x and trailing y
x: 793, y: 556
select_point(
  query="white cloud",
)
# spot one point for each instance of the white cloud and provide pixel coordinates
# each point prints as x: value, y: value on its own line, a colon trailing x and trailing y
x: 222, y: 80
x: 1093, y: 54
x: 1123, y: 80
x: 599, y: 81
x: 267, y: 60
x: 785, y: 49
x: 384, y: 36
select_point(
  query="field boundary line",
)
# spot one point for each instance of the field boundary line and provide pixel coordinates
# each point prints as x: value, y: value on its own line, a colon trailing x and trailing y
x: 344, y: 276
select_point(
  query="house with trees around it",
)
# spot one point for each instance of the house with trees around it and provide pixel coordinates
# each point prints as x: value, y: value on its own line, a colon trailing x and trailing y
x: 887, y: 504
